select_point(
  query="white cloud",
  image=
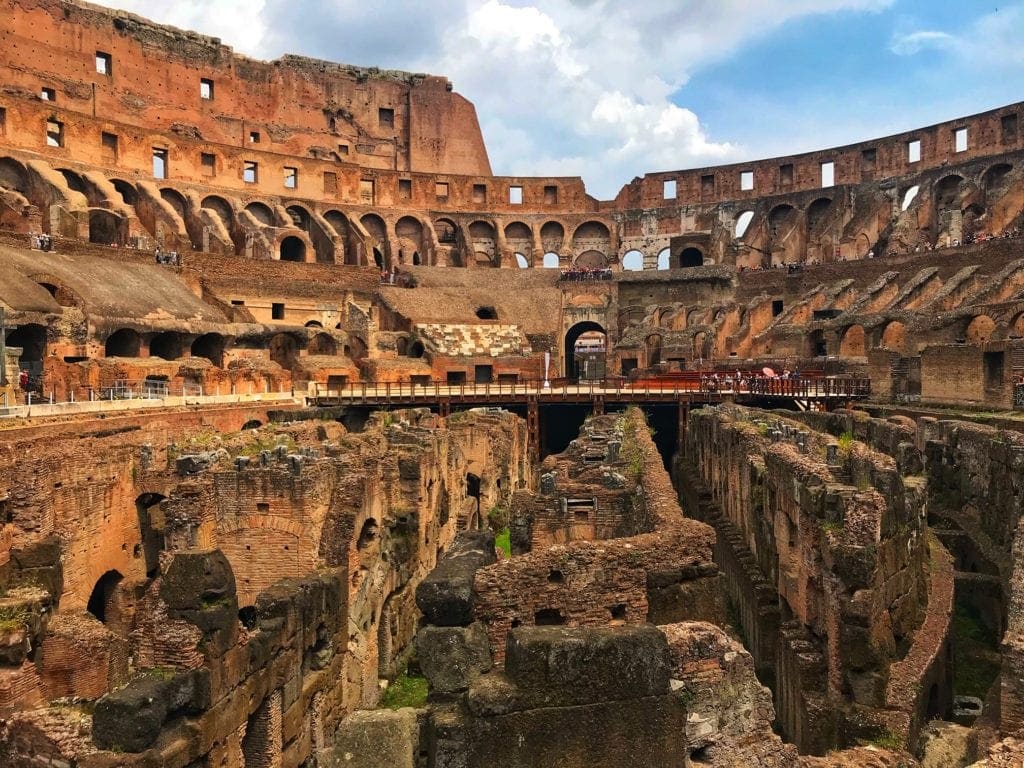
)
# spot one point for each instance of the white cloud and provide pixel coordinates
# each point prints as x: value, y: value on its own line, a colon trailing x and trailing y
x: 915, y: 42
x: 562, y: 87
x: 992, y: 40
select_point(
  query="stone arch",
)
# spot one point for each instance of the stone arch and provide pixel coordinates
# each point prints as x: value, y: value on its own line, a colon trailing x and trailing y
x: 447, y: 231
x: 894, y: 337
x: 947, y: 191
x: 1016, y: 327
x: 572, y: 336
x: 13, y: 175
x: 653, y: 344
x: 741, y: 223
x: 375, y: 227
x: 552, y: 236
x: 175, y: 199
x: 292, y: 249
x: 284, y: 350
x: 128, y: 191
x: 409, y: 231
x: 168, y: 345
x: 102, y: 601
x: 74, y: 181
x: 854, y: 342
x: 782, y: 221
x: 691, y: 257
x: 664, y: 259
x: 633, y: 261
x: 210, y: 346
x: 817, y: 212
x: 124, y: 342
x: 149, y: 536
x: 592, y: 235
x: 484, y: 243
x: 339, y: 223
x: 521, y: 261
x: 220, y: 208
x: 261, y: 212
x: 591, y: 260
x: 551, y: 260
x: 980, y: 330
x: 323, y: 344
x: 105, y: 227
x: 31, y: 339
x: 300, y: 217
x: 60, y: 292
x: 995, y: 181
x: 415, y: 350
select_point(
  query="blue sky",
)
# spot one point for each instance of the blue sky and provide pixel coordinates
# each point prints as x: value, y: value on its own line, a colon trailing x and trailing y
x: 612, y: 89
x: 825, y: 80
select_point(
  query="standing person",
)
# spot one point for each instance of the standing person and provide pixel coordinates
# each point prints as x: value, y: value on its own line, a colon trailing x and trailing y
x: 23, y: 380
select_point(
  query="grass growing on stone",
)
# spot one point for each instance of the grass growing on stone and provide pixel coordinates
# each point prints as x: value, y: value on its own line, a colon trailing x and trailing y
x: 975, y: 657
x: 407, y: 690
x: 503, y: 541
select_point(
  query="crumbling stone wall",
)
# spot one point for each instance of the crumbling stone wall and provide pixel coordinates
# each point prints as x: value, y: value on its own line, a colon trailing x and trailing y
x: 838, y: 535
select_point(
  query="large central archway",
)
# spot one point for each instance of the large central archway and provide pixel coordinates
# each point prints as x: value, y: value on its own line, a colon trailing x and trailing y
x: 586, y: 347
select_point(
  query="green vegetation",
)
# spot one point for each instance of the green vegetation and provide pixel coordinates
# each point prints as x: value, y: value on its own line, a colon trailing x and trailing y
x: 407, y: 690
x: 846, y: 441
x: 267, y: 442
x: 630, y: 451
x: 503, y: 541
x: 831, y: 526
x: 497, y: 518
x: 887, y: 740
x: 975, y: 653
x: 13, y: 619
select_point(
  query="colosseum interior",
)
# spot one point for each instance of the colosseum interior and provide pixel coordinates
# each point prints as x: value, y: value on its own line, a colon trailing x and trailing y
x: 321, y: 445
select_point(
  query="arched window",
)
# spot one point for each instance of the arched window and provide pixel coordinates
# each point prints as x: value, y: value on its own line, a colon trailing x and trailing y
x: 633, y: 261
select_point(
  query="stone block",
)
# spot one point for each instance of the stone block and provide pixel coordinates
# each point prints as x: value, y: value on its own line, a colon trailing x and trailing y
x: 379, y: 738
x: 446, y: 595
x: 452, y: 657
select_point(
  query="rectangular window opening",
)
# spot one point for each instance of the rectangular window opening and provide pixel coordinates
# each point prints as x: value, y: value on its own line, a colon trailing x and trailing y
x: 1008, y: 123
x: 250, y: 172
x: 206, y: 89
x: 108, y: 141
x: 330, y: 183
x: 159, y: 163
x: 48, y: 94
x: 828, y: 174
x: 669, y: 189
x: 960, y: 139
x: 277, y: 311
x: 343, y: 150
x: 386, y: 117
x: 777, y: 306
x: 104, y: 63
x: 480, y: 194
x: 707, y: 185
x: 3, y: 121
x: 551, y: 195
x: 868, y: 160
x: 746, y: 181
x: 54, y: 133
x: 208, y: 163
x: 405, y: 189
x: 441, y: 190
x: 515, y: 195
x: 291, y: 178
x: 367, y: 191
x: 914, y: 151
x: 254, y: 137
x: 786, y: 175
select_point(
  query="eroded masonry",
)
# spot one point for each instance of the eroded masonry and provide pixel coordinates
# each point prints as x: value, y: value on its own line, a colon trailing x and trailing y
x: 321, y: 445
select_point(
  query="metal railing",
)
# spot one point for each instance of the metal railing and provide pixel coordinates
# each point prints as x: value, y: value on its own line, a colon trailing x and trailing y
x: 808, y: 389
x: 129, y: 394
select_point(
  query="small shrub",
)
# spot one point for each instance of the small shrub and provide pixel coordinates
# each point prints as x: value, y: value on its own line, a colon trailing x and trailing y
x: 407, y: 690
x: 503, y: 541
x: 846, y: 441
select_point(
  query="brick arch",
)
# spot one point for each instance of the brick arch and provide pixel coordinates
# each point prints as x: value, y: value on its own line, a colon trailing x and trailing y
x: 980, y: 330
x: 894, y: 337
x: 853, y: 342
